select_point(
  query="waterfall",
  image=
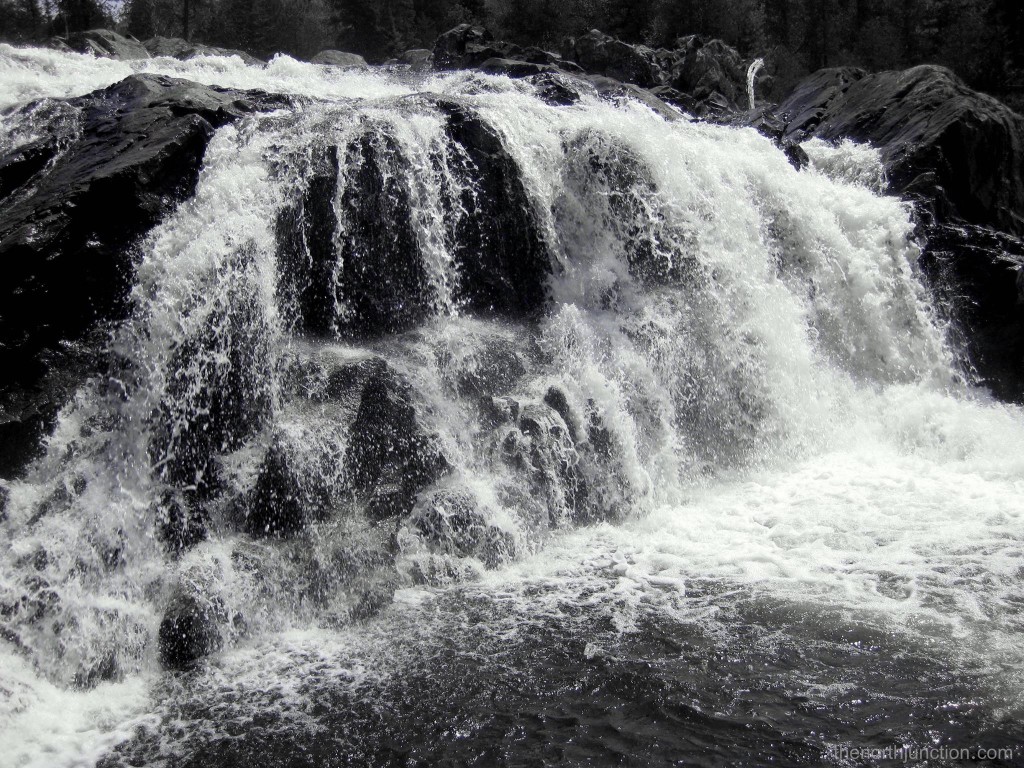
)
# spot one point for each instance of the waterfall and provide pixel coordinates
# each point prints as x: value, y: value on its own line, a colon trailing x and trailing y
x: 752, y: 70
x: 407, y: 335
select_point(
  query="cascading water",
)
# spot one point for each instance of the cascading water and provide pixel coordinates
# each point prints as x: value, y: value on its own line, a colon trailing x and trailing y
x: 755, y: 66
x: 433, y: 386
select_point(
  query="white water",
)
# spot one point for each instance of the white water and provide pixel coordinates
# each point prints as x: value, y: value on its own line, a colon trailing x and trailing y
x: 785, y: 416
x: 752, y: 70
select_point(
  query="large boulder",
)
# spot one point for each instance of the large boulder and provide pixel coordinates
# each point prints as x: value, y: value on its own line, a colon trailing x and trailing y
x: 177, y: 48
x: 706, y: 77
x: 333, y: 286
x: 601, y: 54
x: 708, y: 71
x: 108, y: 44
x: 417, y: 59
x: 959, y: 155
x: 189, y: 630
x: 68, y: 264
x: 502, y: 256
x: 939, y: 139
x: 390, y: 457
x: 340, y: 59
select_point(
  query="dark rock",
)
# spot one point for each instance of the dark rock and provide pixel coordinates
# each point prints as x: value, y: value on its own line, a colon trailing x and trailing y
x: 68, y: 263
x: 379, y: 240
x: 557, y: 89
x: 502, y: 257
x: 516, y: 69
x: 456, y: 523
x: 978, y: 274
x: 5, y: 497
x: 104, y: 42
x: 340, y: 59
x: 390, y: 456
x: 289, y: 494
x: 177, y: 48
x: 189, y: 630
x: 417, y: 59
x: 959, y: 155
x: 935, y: 135
x: 601, y: 54
x: 218, y: 392
x: 467, y: 46
x: 703, y: 68
x: 179, y: 525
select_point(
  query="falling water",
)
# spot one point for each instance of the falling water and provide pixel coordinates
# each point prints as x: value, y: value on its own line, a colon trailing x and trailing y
x: 752, y: 70
x: 650, y: 382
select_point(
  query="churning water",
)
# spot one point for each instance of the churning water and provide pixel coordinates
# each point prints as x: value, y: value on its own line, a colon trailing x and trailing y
x: 704, y: 483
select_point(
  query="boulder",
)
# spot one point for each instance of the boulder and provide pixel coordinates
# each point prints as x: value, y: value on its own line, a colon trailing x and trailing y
x: 467, y: 46
x: 340, y: 59
x: 601, y: 54
x: 502, y: 257
x: 189, y: 630
x: 180, y: 526
x: 177, y: 48
x: 108, y: 44
x: 390, y: 457
x: 959, y: 155
x: 379, y: 240
x: 455, y: 522
x: 68, y: 264
x: 939, y: 139
x: 417, y: 59
x: 291, y: 491
x: 705, y: 68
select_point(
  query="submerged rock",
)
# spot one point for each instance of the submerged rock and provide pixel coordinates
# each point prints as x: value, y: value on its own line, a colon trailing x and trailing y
x: 68, y: 262
x: 218, y: 393
x: 455, y: 522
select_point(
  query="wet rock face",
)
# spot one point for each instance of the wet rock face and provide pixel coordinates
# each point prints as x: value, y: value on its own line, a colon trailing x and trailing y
x: 390, y: 456
x: 959, y: 155
x: 977, y: 271
x: 217, y: 395
x: 292, y: 490
x: 189, y: 630
x: 67, y: 261
x: 180, y: 525
x: 456, y: 523
x: 939, y: 139
x: 503, y: 260
x: 339, y: 291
